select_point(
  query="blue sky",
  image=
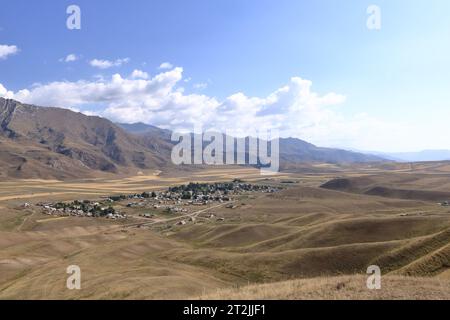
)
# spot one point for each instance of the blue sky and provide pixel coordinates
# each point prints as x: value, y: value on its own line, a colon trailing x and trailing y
x: 390, y: 86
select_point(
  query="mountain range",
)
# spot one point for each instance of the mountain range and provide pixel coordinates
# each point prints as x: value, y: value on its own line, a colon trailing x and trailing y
x: 420, y: 156
x: 47, y: 142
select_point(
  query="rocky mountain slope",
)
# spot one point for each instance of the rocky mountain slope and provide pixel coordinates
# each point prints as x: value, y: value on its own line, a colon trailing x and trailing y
x: 59, y: 143
x: 45, y: 142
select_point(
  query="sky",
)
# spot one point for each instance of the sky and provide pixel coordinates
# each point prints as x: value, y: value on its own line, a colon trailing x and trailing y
x: 309, y: 69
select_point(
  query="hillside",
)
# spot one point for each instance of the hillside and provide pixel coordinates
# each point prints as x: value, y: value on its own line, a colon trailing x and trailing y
x: 294, y: 151
x: 301, y: 232
x: 59, y: 143
x: 339, y: 288
x: 401, y: 186
x: 45, y: 142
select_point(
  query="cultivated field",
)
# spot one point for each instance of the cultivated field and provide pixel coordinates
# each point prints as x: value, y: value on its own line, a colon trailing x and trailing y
x: 301, y: 242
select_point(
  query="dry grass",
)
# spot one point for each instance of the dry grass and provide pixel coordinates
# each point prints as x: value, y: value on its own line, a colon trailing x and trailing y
x: 339, y: 288
x: 19, y: 191
x: 303, y: 232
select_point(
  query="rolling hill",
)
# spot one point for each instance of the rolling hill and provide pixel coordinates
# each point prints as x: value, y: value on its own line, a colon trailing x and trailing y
x: 339, y: 288
x: 399, y: 186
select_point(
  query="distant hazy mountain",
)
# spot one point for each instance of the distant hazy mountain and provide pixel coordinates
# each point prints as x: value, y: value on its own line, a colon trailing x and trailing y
x: 420, y: 156
x: 44, y: 142
x: 426, y: 155
x: 142, y: 128
x: 294, y: 150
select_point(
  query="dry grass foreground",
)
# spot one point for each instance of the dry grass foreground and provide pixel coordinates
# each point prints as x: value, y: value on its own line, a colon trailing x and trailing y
x: 339, y: 288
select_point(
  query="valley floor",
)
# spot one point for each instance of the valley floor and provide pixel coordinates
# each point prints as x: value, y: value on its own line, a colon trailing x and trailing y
x: 304, y: 242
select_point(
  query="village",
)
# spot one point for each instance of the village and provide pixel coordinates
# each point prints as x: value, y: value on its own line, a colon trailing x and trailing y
x: 175, y: 200
x: 81, y: 208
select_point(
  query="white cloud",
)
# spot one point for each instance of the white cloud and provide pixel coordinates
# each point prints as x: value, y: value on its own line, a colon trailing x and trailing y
x: 139, y: 74
x: 166, y: 65
x: 5, y: 93
x: 6, y: 51
x: 70, y: 58
x: 106, y: 64
x: 294, y: 109
x: 200, y: 86
x: 90, y: 113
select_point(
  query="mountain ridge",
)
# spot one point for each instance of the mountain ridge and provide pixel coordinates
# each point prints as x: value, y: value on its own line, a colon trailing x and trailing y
x: 63, y: 138
x: 48, y: 142
x: 292, y: 150
x: 418, y: 156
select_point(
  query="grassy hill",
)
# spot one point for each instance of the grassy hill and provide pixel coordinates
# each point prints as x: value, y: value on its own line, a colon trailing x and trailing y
x: 339, y: 288
x: 304, y: 237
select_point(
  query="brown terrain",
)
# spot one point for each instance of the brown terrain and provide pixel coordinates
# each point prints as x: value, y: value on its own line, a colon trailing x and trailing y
x: 313, y: 239
x: 302, y: 242
x: 58, y: 143
x: 53, y: 143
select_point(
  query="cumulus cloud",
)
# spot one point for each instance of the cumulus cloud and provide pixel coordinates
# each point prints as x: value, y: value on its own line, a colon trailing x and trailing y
x: 139, y: 74
x: 294, y: 109
x: 70, y: 58
x: 6, y: 51
x: 106, y: 64
x: 90, y: 113
x: 166, y: 65
x: 5, y: 93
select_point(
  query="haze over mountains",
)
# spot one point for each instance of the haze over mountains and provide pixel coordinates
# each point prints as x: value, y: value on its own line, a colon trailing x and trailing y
x: 420, y: 156
x: 46, y: 142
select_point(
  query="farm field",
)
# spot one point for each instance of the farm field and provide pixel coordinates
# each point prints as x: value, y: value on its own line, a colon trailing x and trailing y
x: 312, y: 238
